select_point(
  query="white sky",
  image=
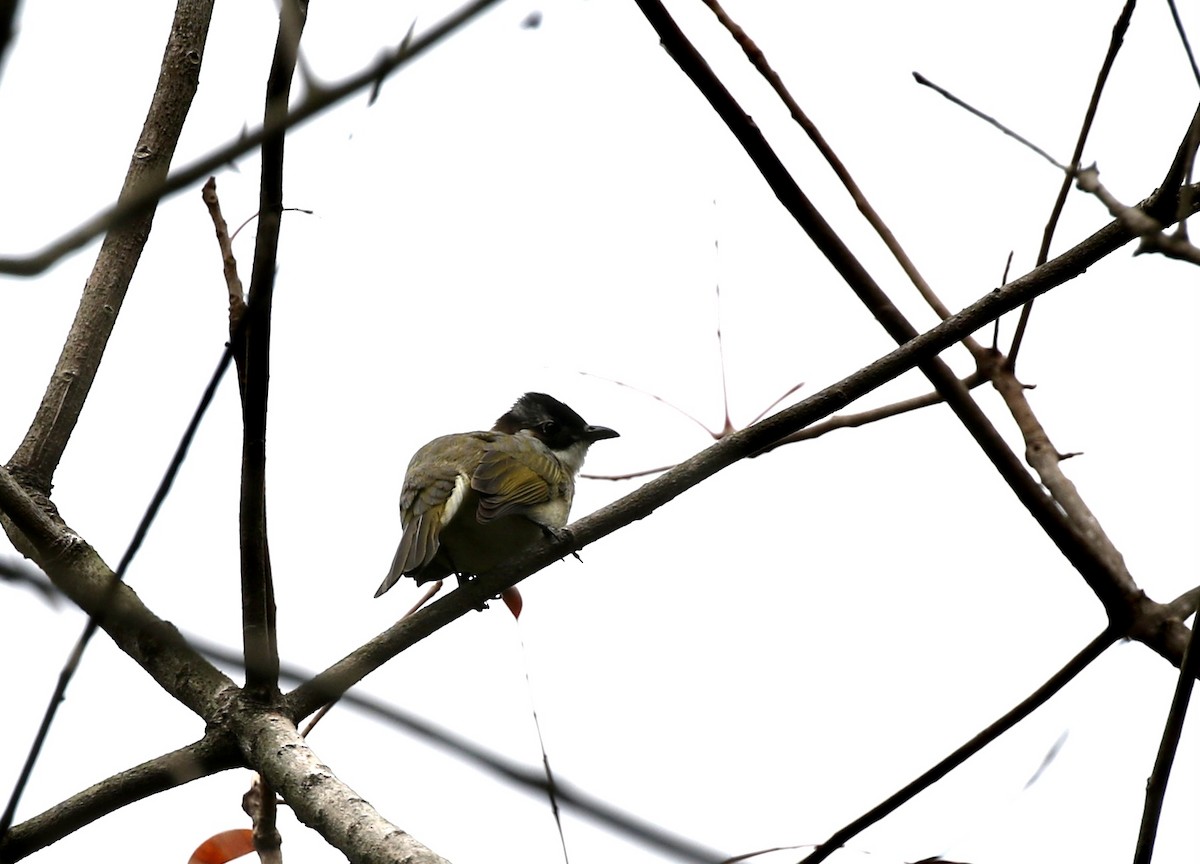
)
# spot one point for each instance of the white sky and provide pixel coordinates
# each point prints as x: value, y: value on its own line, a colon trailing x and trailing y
x: 766, y: 657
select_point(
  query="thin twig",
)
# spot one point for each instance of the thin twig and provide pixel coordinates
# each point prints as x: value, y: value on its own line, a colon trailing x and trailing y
x: 529, y: 780
x: 1023, y: 709
x: 318, y: 100
x: 1187, y: 45
x: 1110, y: 56
x: 873, y: 415
x: 640, y: 503
x: 20, y: 573
x: 108, y: 600
x: 1156, y: 787
x: 233, y: 282
x: 759, y: 60
x: 988, y: 118
x: 205, y: 757
x: 1111, y: 588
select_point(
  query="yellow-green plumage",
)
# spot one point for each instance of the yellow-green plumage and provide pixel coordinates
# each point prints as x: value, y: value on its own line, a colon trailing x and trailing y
x: 471, y: 501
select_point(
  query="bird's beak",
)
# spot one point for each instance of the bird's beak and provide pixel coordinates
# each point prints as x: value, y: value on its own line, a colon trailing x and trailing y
x: 593, y: 434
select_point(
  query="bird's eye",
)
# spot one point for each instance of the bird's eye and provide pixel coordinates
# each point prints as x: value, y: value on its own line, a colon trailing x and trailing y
x: 549, y: 428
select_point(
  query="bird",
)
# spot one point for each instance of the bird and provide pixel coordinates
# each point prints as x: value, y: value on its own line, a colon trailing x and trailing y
x: 472, y: 500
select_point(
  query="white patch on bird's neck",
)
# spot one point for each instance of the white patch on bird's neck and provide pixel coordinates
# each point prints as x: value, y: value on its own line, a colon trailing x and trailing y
x: 572, y: 457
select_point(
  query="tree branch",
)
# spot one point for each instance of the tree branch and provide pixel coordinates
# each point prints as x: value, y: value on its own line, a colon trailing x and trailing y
x: 1156, y: 786
x: 759, y: 60
x: 319, y: 799
x: 1022, y: 710
x: 320, y: 99
x: 253, y: 352
x: 1160, y: 633
x: 206, y: 756
x: 1114, y: 589
x: 76, y: 570
x: 38, y: 455
x: 497, y: 765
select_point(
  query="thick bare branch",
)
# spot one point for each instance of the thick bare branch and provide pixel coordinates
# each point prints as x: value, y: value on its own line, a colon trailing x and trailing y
x: 1149, y: 229
x: 319, y: 799
x: 38, y: 455
x: 1164, y: 636
x: 499, y: 766
x: 78, y: 571
x: 1114, y: 589
x: 207, y: 756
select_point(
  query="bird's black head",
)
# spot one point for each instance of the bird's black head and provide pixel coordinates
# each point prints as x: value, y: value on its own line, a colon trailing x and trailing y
x: 552, y: 422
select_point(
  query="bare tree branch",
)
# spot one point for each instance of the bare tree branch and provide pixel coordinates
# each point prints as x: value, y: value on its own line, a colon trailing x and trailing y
x: 1114, y: 589
x: 1162, y: 632
x: 76, y: 570
x: 8, y: 14
x: 1027, y: 706
x: 1114, y: 46
x: 320, y: 99
x: 527, y: 779
x: 251, y: 336
x: 233, y: 282
x: 252, y: 353
x: 206, y: 756
x: 39, y: 453
x: 105, y: 605
x: 871, y: 415
x: 1156, y: 786
x: 22, y: 574
x: 1153, y: 236
x: 1187, y: 45
x: 319, y: 799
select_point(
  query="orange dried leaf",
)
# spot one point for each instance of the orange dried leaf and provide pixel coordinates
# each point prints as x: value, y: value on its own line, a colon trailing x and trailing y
x: 223, y: 847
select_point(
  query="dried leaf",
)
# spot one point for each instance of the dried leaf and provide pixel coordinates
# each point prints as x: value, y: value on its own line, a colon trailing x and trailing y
x: 223, y: 847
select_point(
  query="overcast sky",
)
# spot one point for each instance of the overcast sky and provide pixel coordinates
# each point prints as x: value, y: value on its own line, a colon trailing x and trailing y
x: 551, y: 208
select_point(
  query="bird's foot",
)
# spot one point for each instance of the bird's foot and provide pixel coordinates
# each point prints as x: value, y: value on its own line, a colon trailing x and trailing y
x: 563, y: 535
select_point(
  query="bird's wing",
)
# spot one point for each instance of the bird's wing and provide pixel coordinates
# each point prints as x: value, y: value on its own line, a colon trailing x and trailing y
x: 515, y: 474
x: 434, y: 487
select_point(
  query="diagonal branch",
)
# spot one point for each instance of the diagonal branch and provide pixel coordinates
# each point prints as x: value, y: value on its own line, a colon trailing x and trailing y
x: 206, y: 756
x: 271, y: 743
x: 1161, y: 631
x: 38, y: 455
x: 105, y: 605
x: 318, y: 100
x: 1022, y: 710
x: 759, y: 60
x: 1115, y: 589
x: 618, y: 821
x: 1110, y: 57
x: 1156, y: 786
x: 78, y: 571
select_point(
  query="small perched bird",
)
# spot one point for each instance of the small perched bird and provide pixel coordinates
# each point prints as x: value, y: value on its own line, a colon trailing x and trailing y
x: 470, y: 501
